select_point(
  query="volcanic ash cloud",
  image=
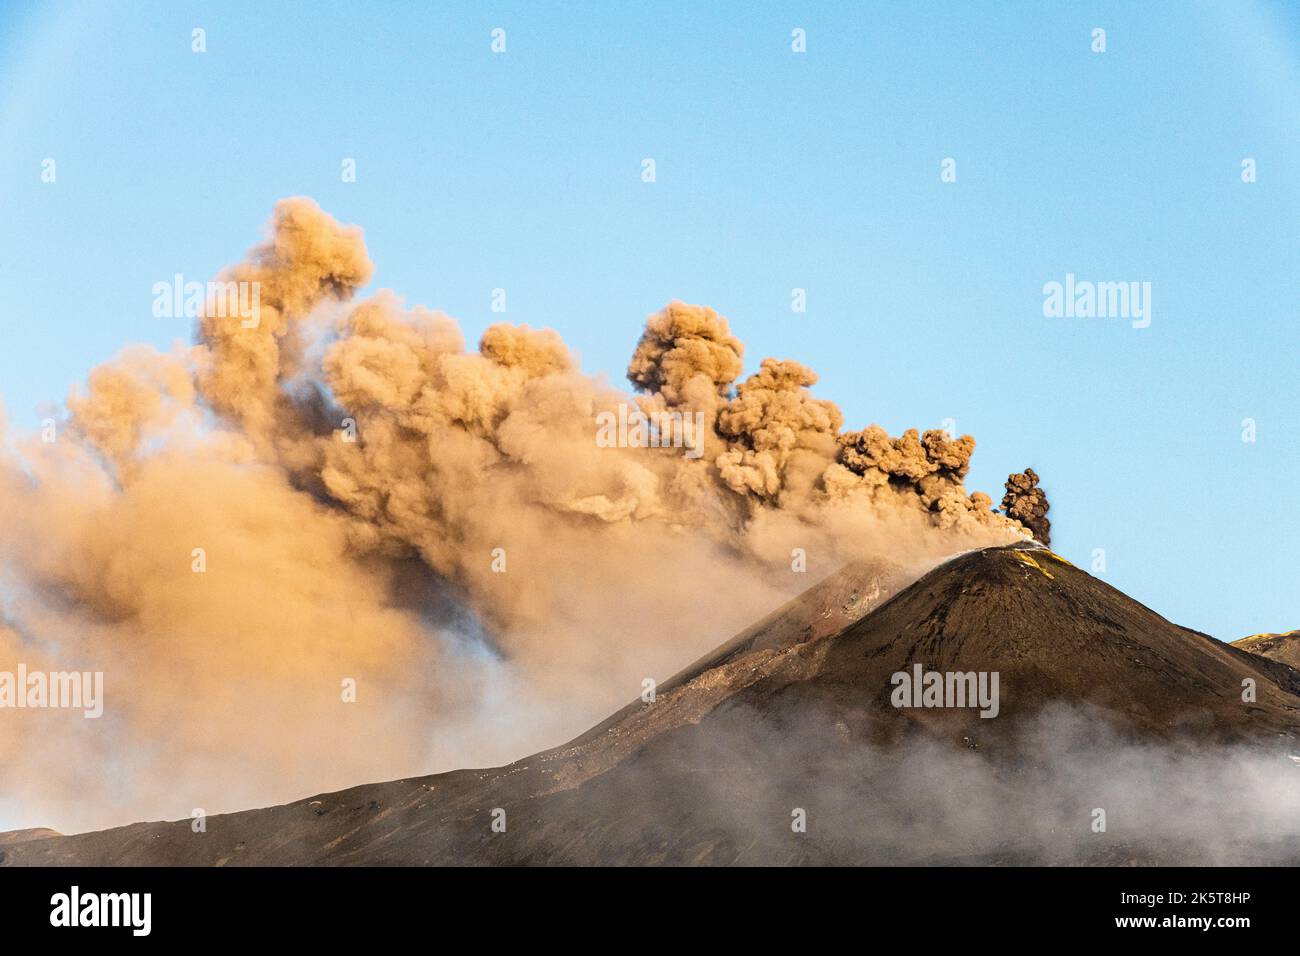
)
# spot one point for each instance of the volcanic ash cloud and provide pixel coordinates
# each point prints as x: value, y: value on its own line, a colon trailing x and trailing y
x: 339, y: 491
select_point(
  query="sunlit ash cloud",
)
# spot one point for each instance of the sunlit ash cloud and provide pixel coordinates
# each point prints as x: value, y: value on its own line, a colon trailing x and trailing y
x: 326, y: 543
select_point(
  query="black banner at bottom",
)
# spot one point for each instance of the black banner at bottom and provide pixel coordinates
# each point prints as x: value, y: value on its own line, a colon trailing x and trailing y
x: 624, y: 906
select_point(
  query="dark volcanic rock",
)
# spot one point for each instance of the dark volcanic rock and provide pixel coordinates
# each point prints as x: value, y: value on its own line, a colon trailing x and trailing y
x: 1276, y: 647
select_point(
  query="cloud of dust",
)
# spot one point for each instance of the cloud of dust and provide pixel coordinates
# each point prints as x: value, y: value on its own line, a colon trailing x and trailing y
x: 340, y: 491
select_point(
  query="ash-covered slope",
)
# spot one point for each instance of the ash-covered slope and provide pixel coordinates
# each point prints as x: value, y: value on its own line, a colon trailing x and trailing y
x: 783, y: 747
x: 1276, y: 647
x: 23, y: 836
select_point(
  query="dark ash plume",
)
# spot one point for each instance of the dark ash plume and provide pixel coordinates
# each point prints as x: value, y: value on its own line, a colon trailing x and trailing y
x: 1027, y: 503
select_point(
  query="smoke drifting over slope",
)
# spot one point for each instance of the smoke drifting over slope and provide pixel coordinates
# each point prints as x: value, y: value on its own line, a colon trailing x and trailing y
x: 231, y: 530
x: 1124, y: 740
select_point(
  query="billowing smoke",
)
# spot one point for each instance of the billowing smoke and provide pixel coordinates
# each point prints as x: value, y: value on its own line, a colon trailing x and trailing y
x: 327, y: 544
x: 1026, y: 503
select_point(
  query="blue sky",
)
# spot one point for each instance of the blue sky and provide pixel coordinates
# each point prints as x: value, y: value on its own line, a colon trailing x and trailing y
x: 775, y: 170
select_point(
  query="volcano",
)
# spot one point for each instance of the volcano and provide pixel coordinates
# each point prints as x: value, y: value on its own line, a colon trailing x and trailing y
x: 785, y: 746
x: 1276, y: 647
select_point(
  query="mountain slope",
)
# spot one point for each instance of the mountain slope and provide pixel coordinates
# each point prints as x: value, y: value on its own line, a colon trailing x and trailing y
x: 1276, y: 647
x: 788, y: 720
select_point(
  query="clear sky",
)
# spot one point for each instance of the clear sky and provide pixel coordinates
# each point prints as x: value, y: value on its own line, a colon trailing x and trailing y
x: 775, y: 170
